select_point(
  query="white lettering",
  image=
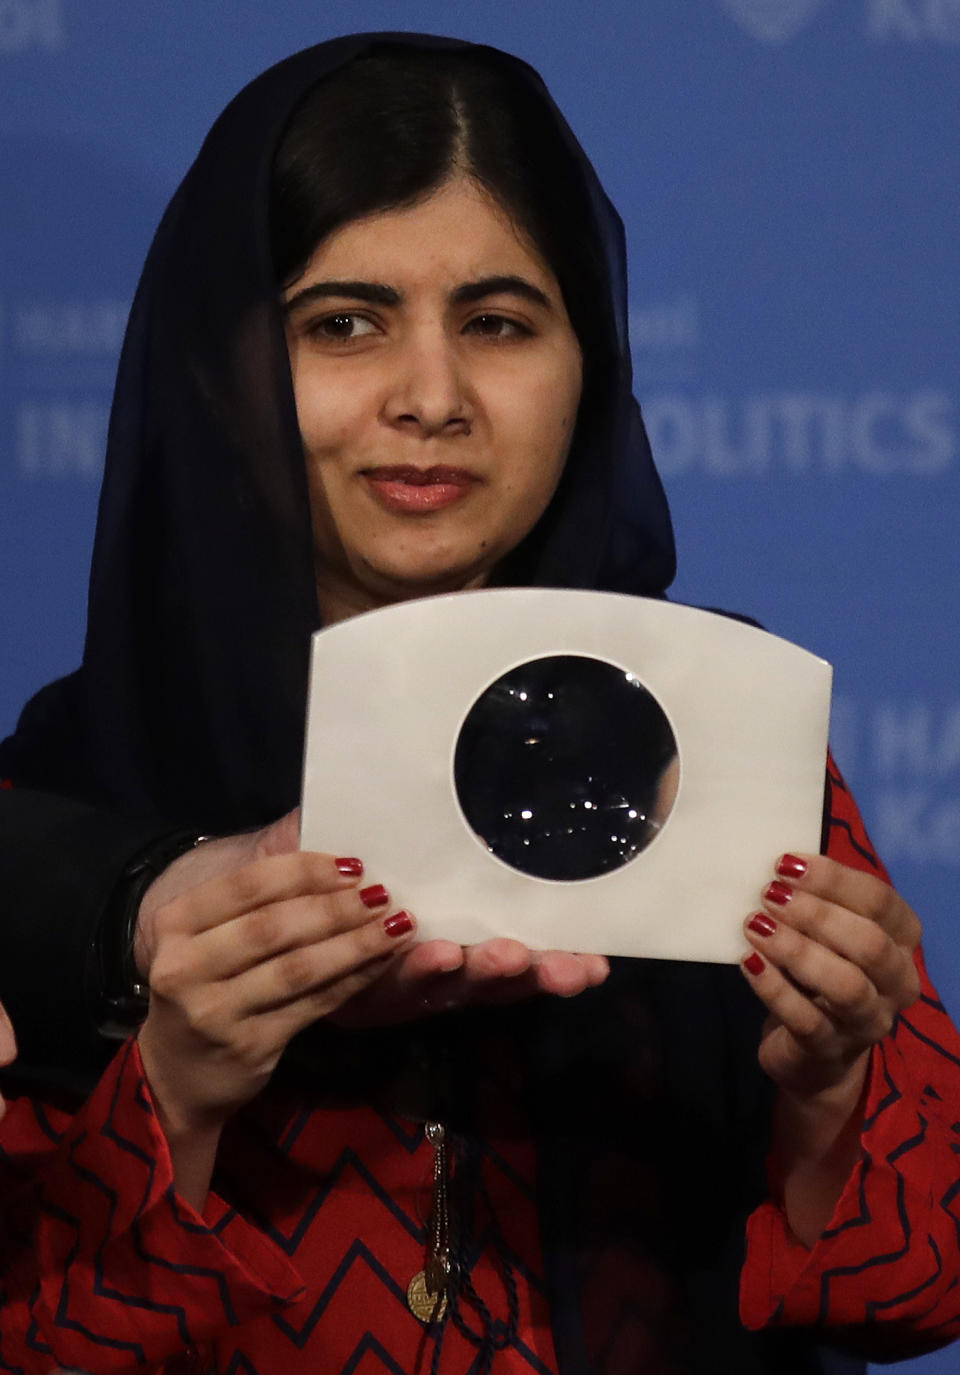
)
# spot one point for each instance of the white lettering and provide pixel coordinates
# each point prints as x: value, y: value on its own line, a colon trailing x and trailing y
x: 30, y: 24
x: 928, y: 416
x: 915, y: 20
x: 900, y: 829
x: 893, y: 19
x: 812, y: 425
x: 61, y: 438
x: 71, y: 327
x: 673, y: 430
x: 797, y: 412
x: 948, y: 749
x: 881, y: 433
x: 720, y: 452
x: 943, y: 20
x: 912, y: 750
x: 916, y: 828
x: 901, y: 739
x: 912, y: 826
x: 945, y: 833
x: 666, y: 326
x: 868, y: 430
x: 915, y: 740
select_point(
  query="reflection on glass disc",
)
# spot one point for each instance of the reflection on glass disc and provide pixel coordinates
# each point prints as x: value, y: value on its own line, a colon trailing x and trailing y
x: 566, y: 767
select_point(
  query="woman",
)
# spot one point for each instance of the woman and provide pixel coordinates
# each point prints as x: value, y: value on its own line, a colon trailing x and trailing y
x: 379, y: 351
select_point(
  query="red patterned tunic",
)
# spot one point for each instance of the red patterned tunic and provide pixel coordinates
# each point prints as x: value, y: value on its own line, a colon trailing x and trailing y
x: 108, y: 1269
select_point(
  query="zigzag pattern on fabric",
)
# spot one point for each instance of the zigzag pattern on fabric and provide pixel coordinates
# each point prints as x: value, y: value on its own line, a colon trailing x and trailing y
x: 379, y: 1204
x: 896, y: 1220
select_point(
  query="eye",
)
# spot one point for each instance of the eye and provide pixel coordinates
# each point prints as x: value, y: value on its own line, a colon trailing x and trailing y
x: 342, y: 325
x: 493, y: 326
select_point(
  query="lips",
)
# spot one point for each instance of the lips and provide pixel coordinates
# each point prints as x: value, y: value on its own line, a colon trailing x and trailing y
x: 403, y: 487
x: 421, y: 477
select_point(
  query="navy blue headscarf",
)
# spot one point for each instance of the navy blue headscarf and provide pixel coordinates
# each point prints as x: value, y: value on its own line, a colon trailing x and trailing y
x: 190, y: 701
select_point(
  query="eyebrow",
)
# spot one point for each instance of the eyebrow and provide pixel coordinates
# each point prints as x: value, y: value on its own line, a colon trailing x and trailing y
x: 500, y: 286
x: 376, y: 293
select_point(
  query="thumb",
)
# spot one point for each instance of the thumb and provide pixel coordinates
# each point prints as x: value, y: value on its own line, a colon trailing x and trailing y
x: 282, y: 837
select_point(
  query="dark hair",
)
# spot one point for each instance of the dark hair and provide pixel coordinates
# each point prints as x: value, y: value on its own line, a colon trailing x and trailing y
x: 393, y: 125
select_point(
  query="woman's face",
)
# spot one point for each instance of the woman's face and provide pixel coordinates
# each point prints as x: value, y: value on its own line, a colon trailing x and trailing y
x: 437, y: 378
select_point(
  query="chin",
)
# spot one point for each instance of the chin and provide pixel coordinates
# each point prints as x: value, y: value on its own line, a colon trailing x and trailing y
x: 401, y: 579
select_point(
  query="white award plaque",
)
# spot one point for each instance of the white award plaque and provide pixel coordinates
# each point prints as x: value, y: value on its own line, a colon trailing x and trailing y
x: 577, y: 770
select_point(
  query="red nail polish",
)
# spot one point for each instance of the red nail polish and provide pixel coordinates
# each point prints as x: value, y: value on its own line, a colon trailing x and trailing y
x: 762, y: 924
x: 754, y: 965
x: 349, y: 867
x: 778, y: 893
x: 399, y: 924
x: 792, y: 866
x: 374, y: 896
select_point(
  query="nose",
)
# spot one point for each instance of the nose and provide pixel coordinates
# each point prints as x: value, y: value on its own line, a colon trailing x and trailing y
x: 428, y: 391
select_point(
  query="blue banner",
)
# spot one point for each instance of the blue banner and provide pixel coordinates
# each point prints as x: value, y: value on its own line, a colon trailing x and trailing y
x: 788, y: 173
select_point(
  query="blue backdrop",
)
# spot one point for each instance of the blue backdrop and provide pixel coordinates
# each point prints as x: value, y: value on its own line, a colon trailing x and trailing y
x: 788, y: 172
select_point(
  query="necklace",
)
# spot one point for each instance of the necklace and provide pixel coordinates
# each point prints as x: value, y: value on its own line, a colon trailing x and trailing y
x: 428, y: 1292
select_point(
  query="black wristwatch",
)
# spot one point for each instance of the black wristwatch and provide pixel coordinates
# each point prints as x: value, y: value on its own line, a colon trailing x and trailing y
x: 124, y: 995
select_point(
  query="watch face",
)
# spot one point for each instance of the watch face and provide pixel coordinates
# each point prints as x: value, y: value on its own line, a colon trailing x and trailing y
x: 565, y: 767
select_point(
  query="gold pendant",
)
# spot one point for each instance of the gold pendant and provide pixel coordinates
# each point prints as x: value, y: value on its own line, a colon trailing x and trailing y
x: 425, y: 1304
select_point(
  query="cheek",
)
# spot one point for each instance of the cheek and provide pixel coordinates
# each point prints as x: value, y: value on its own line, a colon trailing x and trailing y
x: 329, y: 412
x: 547, y: 423
x: 320, y: 428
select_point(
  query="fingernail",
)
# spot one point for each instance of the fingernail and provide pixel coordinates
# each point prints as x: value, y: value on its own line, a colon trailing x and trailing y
x: 399, y: 924
x: 778, y: 893
x: 374, y: 896
x: 350, y: 868
x: 754, y: 965
x: 791, y: 866
x: 762, y: 924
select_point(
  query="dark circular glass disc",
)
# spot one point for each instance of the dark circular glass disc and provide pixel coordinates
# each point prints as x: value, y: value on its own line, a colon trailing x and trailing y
x: 566, y: 767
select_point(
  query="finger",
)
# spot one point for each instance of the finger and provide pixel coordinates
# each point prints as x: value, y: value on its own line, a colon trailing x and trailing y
x: 273, y: 879
x: 839, y: 986
x: 278, y: 1025
x: 597, y: 969
x: 854, y: 890
x: 256, y: 1040
x: 399, y: 994
x: 503, y: 971
x: 565, y: 975
x: 489, y: 961
x: 808, y: 1025
x: 248, y: 940
x: 282, y: 838
x: 491, y: 972
x: 306, y: 972
x: 428, y: 959
x: 860, y: 940
x: 554, y: 972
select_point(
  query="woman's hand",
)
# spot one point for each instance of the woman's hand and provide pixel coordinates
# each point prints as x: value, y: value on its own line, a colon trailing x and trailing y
x: 241, y: 963
x: 833, y: 962
x: 434, y: 976
x: 244, y: 962
x: 835, y: 966
x: 440, y: 976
